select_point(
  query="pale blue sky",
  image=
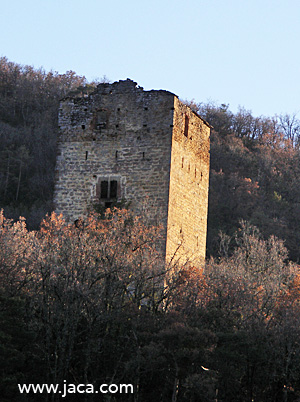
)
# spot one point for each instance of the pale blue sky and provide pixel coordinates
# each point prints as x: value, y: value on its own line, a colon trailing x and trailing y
x: 238, y: 52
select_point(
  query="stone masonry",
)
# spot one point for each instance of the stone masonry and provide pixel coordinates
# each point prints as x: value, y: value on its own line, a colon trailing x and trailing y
x: 145, y: 147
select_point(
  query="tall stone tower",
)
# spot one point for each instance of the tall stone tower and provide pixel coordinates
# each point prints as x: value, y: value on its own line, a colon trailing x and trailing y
x: 122, y: 142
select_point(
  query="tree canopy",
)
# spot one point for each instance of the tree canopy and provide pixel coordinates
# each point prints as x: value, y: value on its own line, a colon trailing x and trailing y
x: 95, y: 305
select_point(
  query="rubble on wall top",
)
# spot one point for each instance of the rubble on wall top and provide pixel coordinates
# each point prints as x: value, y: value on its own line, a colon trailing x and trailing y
x: 127, y: 85
x: 118, y: 87
x: 122, y: 85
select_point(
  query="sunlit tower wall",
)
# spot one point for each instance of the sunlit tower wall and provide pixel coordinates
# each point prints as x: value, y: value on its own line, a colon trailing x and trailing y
x: 145, y: 148
x: 188, y: 186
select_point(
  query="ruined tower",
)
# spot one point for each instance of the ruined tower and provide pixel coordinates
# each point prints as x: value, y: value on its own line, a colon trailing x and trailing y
x: 124, y: 143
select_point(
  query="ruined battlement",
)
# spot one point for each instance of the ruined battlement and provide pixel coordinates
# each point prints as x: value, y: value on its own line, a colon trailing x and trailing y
x: 118, y: 87
x: 121, y: 142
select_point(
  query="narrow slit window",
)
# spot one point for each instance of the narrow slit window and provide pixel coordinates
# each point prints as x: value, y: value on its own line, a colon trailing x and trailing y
x: 186, y: 126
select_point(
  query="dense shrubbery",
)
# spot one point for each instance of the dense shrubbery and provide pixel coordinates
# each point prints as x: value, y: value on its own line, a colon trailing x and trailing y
x: 89, y: 304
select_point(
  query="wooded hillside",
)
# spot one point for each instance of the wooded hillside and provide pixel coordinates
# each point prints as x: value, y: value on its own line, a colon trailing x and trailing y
x: 94, y: 303
x: 29, y: 101
x: 254, y: 175
x: 254, y: 160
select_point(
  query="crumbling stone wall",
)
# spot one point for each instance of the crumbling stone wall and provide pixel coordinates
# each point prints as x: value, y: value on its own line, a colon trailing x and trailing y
x: 122, y: 142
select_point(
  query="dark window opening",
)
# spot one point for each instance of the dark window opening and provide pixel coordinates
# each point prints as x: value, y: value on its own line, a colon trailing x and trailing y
x: 117, y: 125
x: 108, y: 190
x: 86, y: 154
x: 104, y: 189
x: 186, y: 126
x: 113, y: 189
x: 118, y: 109
x: 143, y: 155
x: 108, y: 204
x: 144, y: 125
x: 182, y: 160
x: 83, y: 126
x: 145, y: 108
x: 116, y: 154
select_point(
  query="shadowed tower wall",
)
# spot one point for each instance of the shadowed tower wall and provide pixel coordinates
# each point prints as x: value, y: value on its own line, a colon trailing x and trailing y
x: 124, y: 143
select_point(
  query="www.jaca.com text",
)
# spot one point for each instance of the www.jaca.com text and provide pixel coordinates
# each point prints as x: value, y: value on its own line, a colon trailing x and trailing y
x: 66, y: 389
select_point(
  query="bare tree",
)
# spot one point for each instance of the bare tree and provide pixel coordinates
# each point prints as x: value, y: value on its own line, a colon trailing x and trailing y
x: 290, y: 126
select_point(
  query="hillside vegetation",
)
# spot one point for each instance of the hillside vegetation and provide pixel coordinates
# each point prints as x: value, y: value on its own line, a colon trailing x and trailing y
x: 254, y: 160
x: 93, y: 303
x: 29, y: 101
x: 254, y: 175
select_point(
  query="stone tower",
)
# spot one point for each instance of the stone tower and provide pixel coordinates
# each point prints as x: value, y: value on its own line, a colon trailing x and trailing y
x: 124, y: 143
